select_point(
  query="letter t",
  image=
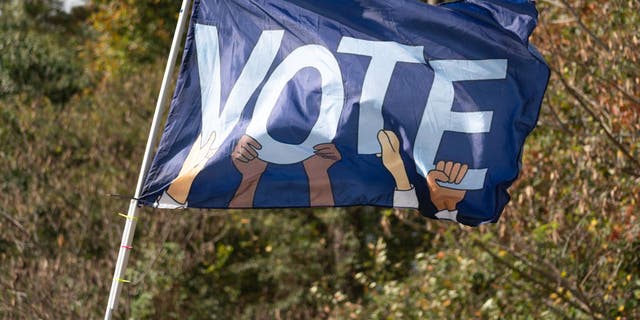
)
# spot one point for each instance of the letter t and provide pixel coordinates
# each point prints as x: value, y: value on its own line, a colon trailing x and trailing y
x: 384, y: 56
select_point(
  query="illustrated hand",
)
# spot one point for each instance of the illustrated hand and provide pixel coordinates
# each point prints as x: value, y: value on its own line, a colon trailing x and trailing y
x: 320, y: 193
x: 446, y: 198
x: 325, y: 156
x: 245, y: 157
x: 392, y: 160
x: 193, y: 164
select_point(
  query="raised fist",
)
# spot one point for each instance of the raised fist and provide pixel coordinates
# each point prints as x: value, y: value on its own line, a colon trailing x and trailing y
x: 449, y: 172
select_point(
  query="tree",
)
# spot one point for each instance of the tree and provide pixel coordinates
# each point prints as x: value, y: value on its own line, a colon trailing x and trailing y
x: 35, y: 60
x: 130, y: 32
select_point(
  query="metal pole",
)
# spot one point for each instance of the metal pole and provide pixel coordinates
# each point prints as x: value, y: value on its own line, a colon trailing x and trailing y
x: 130, y: 226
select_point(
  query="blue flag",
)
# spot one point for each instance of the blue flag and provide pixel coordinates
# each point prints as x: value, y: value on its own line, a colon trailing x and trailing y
x: 307, y: 103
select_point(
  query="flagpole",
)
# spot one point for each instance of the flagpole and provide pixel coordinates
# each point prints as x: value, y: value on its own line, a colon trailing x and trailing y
x: 130, y: 225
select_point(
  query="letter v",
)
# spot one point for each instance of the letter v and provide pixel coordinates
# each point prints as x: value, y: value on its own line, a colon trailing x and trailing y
x: 253, y: 73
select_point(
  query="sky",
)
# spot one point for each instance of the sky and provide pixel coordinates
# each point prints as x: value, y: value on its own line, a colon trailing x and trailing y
x: 67, y: 5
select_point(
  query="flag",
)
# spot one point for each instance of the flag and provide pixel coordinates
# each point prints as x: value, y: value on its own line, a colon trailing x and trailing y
x: 334, y: 103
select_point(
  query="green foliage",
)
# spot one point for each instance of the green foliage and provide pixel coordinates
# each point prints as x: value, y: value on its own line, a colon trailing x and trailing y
x: 568, y: 245
x: 131, y: 32
x: 35, y: 61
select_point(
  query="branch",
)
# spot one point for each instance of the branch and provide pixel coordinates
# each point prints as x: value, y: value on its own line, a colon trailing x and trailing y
x: 584, y: 308
x: 587, y: 104
x: 15, y: 223
x: 583, y: 26
x: 556, y: 116
x: 617, y: 87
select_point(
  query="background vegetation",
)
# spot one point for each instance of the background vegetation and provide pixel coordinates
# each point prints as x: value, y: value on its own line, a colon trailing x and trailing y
x: 76, y: 97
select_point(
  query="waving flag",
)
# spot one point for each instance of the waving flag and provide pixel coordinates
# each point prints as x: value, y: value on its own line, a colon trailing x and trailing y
x: 306, y: 103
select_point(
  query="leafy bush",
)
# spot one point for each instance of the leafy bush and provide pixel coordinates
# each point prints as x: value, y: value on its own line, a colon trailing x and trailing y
x: 35, y: 61
x: 568, y: 245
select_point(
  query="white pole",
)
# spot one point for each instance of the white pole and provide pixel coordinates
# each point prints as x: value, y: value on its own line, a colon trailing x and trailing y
x: 130, y: 226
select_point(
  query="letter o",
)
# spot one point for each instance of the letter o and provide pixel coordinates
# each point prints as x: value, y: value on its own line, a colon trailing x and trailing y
x: 331, y: 105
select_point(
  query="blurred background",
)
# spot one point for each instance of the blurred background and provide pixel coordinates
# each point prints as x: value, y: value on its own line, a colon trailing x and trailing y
x: 78, y: 82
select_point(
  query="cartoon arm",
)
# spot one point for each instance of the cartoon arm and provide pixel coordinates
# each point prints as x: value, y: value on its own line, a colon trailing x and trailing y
x: 176, y: 195
x: 245, y: 159
x: 404, y: 195
x: 445, y: 199
x: 320, y: 193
